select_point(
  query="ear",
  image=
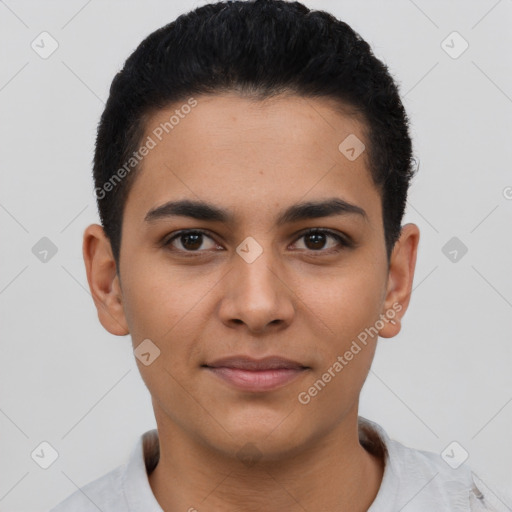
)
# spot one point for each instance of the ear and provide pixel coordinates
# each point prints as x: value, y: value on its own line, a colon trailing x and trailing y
x: 400, y: 278
x: 103, y: 280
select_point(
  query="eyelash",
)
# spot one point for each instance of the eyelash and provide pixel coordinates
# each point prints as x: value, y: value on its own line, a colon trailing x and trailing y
x: 344, y: 241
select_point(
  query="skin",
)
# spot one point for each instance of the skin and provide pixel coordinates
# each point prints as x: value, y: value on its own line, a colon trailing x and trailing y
x: 297, y: 300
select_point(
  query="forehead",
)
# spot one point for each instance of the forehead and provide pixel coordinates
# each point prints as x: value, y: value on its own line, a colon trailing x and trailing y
x: 251, y: 155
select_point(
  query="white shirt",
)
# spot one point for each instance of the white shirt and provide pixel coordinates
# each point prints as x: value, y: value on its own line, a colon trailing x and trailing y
x: 413, y: 481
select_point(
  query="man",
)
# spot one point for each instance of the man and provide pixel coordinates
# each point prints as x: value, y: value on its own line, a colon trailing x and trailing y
x: 251, y: 169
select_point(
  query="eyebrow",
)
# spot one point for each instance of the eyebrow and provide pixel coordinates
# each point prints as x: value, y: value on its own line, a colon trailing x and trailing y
x: 301, y: 211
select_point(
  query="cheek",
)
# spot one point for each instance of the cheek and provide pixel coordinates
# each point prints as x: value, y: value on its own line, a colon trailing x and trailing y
x: 348, y: 302
x: 143, y: 306
x: 154, y: 298
x: 167, y: 308
x: 349, y: 306
x: 354, y: 315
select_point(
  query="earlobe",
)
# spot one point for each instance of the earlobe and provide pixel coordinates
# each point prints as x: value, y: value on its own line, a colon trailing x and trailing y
x: 103, y: 280
x: 400, y: 279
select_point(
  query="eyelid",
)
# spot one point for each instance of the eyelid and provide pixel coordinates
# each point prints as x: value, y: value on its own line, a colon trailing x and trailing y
x: 176, y: 234
x: 344, y: 240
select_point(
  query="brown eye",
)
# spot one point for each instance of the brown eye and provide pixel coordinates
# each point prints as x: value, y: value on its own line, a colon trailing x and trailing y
x: 190, y: 241
x: 316, y: 240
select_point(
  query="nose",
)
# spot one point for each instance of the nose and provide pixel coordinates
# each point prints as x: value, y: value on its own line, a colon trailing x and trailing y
x: 257, y: 294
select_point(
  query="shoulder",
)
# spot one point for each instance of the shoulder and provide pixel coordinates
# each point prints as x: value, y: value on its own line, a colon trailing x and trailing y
x: 105, y: 494
x: 423, y: 481
x: 461, y: 488
x: 124, y: 488
x: 484, y: 499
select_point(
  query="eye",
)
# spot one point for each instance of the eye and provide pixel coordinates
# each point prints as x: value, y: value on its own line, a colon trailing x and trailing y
x: 316, y: 239
x: 190, y: 240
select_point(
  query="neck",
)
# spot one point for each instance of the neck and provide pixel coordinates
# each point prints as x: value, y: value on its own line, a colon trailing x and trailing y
x: 333, y: 473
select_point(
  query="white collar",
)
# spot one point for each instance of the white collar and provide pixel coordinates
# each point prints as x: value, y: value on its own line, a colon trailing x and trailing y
x: 418, y: 478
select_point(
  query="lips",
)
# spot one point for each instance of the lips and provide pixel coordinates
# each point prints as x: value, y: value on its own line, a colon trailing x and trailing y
x: 247, y: 363
x: 256, y: 375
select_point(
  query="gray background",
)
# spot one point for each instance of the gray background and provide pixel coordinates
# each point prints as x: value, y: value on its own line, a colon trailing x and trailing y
x: 65, y: 380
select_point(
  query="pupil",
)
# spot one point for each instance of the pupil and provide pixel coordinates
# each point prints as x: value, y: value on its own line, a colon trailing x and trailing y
x: 196, y: 240
x: 318, y: 239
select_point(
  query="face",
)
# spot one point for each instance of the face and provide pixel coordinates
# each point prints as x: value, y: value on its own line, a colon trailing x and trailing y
x: 237, y: 272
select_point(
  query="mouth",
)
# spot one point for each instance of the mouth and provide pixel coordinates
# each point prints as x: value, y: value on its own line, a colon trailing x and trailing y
x: 256, y: 375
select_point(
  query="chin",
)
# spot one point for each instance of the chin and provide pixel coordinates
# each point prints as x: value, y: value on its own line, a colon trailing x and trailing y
x: 270, y: 436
